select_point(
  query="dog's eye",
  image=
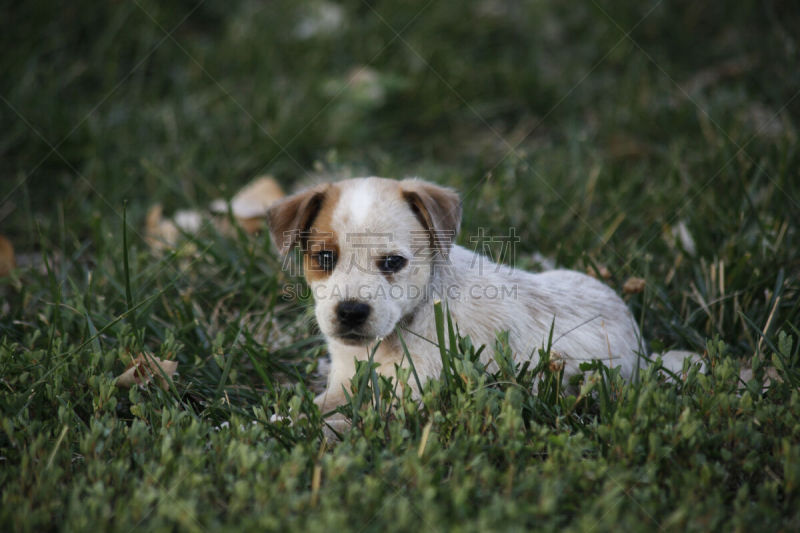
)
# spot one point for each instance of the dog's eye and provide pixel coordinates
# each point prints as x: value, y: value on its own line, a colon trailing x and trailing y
x: 326, y: 260
x: 391, y: 263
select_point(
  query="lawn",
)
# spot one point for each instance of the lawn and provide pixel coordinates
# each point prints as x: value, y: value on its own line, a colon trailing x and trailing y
x: 654, y: 140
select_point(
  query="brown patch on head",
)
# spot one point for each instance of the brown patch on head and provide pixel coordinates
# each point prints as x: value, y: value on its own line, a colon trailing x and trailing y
x: 291, y: 218
x: 322, y: 237
x: 437, y: 208
x: 304, y: 219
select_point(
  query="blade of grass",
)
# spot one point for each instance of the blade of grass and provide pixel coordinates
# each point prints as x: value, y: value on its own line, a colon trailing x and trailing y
x: 439, y: 318
x: 127, y: 273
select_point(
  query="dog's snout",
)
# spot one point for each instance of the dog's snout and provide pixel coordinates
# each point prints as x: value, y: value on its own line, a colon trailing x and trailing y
x: 352, y: 313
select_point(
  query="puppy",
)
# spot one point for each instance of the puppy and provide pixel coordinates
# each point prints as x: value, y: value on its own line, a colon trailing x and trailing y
x: 377, y: 253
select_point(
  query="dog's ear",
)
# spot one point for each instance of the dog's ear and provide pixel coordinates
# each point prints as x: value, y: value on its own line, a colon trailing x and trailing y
x: 291, y: 218
x: 437, y: 208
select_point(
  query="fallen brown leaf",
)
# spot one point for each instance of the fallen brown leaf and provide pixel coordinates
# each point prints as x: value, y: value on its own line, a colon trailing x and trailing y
x: 249, y: 207
x: 163, y: 233
x: 7, y: 261
x: 142, y: 370
x: 557, y: 362
x: 601, y: 270
x: 250, y: 204
x: 160, y: 233
x: 633, y: 285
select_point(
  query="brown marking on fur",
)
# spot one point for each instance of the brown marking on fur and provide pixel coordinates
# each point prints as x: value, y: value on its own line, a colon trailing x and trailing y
x: 304, y: 219
x: 292, y: 217
x: 322, y: 236
x: 438, y: 209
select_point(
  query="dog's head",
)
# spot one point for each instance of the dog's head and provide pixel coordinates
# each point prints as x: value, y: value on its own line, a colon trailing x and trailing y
x: 370, y: 247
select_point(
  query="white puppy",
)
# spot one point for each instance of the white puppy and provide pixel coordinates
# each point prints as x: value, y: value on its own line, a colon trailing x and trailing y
x: 378, y: 252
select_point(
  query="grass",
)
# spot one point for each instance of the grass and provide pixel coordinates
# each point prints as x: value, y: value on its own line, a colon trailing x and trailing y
x: 600, y: 147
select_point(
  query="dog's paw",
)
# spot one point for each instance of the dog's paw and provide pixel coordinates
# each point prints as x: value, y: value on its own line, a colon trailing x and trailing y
x: 335, y: 426
x: 274, y: 419
x: 332, y: 427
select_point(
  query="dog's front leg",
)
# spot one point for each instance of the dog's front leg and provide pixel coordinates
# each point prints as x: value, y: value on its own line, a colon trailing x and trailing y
x: 330, y: 400
x: 335, y: 423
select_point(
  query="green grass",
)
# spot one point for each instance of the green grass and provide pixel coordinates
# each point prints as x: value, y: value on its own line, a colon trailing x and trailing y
x: 596, y: 147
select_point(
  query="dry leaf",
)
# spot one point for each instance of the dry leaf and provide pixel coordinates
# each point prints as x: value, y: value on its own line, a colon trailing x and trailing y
x: 557, y: 362
x: 7, y: 261
x: 633, y: 285
x: 601, y: 270
x: 142, y: 370
x: 249, y: 207
x: 250, y: 204
x: 162, y: 233
x: 159, y: 233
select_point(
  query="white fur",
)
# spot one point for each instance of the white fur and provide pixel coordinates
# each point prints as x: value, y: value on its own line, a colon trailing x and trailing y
x: 359, y: 203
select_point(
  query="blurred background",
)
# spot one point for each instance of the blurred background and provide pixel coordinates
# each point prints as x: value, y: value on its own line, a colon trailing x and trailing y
x: 172, y: 101
x: 606, y: 132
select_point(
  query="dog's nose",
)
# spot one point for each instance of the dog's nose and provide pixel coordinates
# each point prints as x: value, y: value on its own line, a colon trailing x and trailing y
x: 352, y: 313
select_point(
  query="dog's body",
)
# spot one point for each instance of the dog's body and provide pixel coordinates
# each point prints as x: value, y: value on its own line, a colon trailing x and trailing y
x: 379, y: 252
x: 588, y: 319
